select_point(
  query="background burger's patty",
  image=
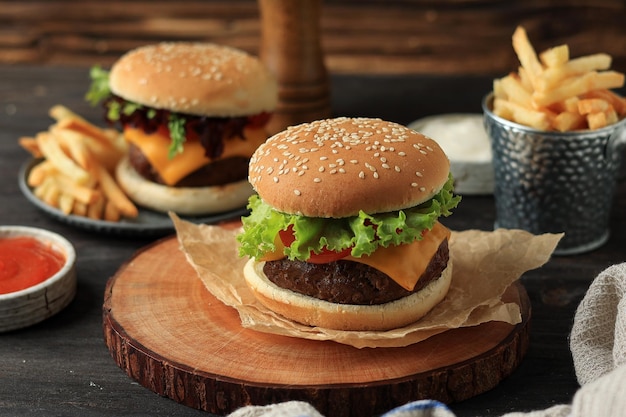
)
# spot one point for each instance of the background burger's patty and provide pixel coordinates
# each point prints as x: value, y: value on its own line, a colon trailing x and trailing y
x: 348, y: 282
x: 220, y: 172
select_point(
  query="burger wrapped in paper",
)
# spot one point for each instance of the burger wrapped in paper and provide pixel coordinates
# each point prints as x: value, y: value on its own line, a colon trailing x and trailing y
x: 344, y: 231
x: 192, y: 114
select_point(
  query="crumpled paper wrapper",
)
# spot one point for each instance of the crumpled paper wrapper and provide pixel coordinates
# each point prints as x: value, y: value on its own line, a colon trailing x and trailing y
x: 485, y: 264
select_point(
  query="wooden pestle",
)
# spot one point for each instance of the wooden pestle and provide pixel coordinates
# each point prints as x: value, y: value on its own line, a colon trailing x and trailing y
x: 291, y: 49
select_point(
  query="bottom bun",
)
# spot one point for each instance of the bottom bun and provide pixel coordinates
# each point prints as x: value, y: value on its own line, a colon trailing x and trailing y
x: 319, y: 313
x: 192, y: 201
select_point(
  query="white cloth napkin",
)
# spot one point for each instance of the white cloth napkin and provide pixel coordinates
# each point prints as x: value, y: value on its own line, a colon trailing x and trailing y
x: 598, y: 345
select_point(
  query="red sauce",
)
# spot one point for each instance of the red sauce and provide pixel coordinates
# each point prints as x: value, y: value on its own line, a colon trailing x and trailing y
x: 26, y: 261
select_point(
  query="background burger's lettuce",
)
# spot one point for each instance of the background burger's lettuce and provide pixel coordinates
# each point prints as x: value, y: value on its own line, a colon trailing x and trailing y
x: 363, y: 233
x: 99, y: 91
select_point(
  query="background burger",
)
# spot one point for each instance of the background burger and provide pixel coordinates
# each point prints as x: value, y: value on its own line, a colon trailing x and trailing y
x: 344, y: 232
x: 192, y: 114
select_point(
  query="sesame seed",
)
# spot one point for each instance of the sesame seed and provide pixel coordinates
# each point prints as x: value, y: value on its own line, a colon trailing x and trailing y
x: 413, y: 184
x: 423, y: 152
x: 321, y: 169
x: 397, y: 168
x: 275, y: 179
x: 297, y: 192
x: 402, y: 153
x: 317, y: 179
x: 362, y: 175
x: 422, y: 189
x: 376, y: 175
x: 419, y: 174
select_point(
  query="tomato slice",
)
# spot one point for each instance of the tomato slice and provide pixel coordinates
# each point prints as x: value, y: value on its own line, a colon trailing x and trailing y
x: 325, y: 256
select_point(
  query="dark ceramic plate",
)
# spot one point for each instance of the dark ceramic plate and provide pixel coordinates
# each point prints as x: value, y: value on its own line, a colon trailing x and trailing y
x: 147, y: 224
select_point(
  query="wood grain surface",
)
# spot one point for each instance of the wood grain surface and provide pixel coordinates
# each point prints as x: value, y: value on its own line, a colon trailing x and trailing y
x: 358, y: 37
x: 166, y: 331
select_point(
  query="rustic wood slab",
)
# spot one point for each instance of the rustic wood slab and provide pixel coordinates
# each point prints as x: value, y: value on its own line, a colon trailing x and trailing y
x: 165, y: 330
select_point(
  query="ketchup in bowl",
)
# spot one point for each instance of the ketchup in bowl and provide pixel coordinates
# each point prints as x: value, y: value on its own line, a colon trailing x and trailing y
x: 26, y: 261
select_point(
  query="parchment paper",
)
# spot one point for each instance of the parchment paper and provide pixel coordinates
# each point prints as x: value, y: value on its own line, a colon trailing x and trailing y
x: 485, y: 264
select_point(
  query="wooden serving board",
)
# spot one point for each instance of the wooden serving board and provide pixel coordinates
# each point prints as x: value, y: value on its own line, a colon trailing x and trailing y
x: 166, y: 331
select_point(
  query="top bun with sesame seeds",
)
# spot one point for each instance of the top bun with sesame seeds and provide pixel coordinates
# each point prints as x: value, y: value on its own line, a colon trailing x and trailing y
x: 192, y: 114
x: 339, y: 167
x: 344, y: 231
x: 195, y: 78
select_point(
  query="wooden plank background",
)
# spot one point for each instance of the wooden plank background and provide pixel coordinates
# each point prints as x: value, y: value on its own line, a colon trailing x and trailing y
x: 359, y: 37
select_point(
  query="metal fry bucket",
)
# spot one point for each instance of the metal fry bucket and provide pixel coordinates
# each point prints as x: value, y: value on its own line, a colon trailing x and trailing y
x: 553, y: 182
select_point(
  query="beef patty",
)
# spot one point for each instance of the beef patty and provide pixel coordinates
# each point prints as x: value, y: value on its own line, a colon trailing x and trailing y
x: 349, y: 282
x: 219, y: 172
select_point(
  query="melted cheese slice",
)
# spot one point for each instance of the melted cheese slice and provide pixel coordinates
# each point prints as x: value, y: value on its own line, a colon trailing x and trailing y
x: 405, y: 264
x: 155, y: 147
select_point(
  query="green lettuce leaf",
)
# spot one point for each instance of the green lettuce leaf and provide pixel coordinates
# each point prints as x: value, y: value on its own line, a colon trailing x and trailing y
x: 99, y: 88
x: 363, y: 233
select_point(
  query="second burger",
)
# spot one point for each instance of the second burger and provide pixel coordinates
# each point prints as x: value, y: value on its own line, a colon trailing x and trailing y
x: 192, y: 114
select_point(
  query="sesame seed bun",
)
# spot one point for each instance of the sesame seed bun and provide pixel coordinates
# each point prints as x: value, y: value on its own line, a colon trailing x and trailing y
x: 334, y: 167
x: 191, y: 201
x: 195, y: 78
x: 315, y: 312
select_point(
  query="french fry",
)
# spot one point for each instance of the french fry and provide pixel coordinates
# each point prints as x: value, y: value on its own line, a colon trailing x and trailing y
x: 51, y: 195
x: 95, y: 210
x: 80, y: 192
x: 527, y: 55
x: 59, y: 112
x: 577, y: 66
x: 536, y: 119
x: 515, y: 91
x: 79, y: 209
x: 578, y: 86
x: 105, y: 137
x: 111, y: 213
x: 567, y: 121
x: 596, y: 120
x: 53, y: 152
x: 555, y: 57
x: 30, y: 145
x: 66, y: 203
x: 74, y: 145
x: 114, y: 193
x: 617, y: 102
x: 38, y: 173
x: 592, y: 105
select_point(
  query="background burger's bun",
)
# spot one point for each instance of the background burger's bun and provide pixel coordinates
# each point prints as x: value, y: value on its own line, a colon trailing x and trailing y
x: 337, y: 167
x: 195, y: 78
x: 315, y: 312
x: 192, y: 201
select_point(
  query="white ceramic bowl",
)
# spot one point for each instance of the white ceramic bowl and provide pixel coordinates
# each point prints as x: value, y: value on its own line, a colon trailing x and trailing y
x: 36, y: 303
x: 463, y: 138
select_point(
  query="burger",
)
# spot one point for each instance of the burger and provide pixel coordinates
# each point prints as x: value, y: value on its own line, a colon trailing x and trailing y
x: 344, y: 230
x: 192, y: 115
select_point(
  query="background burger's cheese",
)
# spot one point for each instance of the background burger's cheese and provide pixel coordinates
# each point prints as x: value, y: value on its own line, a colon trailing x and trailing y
x: 155, y: 148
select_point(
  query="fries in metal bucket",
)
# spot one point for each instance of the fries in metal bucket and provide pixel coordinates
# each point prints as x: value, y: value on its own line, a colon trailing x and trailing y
x: 552, y: 91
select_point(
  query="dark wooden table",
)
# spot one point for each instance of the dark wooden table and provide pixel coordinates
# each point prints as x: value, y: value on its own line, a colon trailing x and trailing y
x: 62, y: 367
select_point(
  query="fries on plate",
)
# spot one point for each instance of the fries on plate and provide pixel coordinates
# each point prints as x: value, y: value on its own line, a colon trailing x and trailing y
x: 75, y: 174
